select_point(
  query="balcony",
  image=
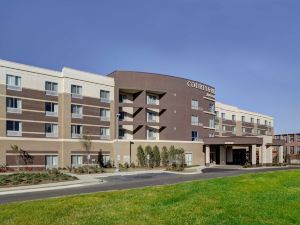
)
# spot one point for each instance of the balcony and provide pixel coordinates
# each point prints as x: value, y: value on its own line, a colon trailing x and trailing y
x: 51, y: 93
x: 74, y: 135
x: 105, y: 118
x: 76, y: 115
x: 105, y: 100
x: 51, y: 135
x: 104, y: 137
x: 14, y: 110
x: 151, y: 138
x: 14, y: 88
x: 75, y: 95
x: 53, y: 114
x: 14, y: 133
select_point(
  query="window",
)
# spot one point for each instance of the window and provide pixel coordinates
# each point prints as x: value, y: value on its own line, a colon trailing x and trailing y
x: 51, y: 109
x: 292, y: 150
x: 211, y: 123
x: 76, y: 111
x: 217, y: 113
x: 258, y: 132
x: 104, y: 96
x: 122, y: 98
x: 291, y: 137
x: 195, y: 104
x: 51, y: 161
x: 224, y: 128
x: 122, y: 115
x: 233, y: 117
x: 104, y: 133
x: 234, y: 130
x: 244, y: 130
x: 152, y: 117
x: 223, y: 116
x: 266, y: 123
x: 211, y: 107
x: 243, y: 119
x: 13, y: 128
x: 76, y: 131
x: 76, y: 160
x: 76, y: 91
x: 51, y: 88
x: 152, y: 100
x: 252, y: 120
x: 188, y: 159
x: 51, y: 130
x: 151, y: 134
x: 195, y: 136
x: 195, y: 120
x: 122, y: 133
x: 270, y: 124
x: 258, y: 121
x: 298, y: 150
x: 104, y: 114
x: 106, y: 160
x: 211, y: 135
x: 13, y: 82
x: 13, y: 105
x: 298, y: 137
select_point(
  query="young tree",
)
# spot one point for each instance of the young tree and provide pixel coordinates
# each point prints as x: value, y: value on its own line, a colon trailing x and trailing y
x: 141, y: 156
x: 21, y: 154
x: 164, y: 156
x: 156, y: 156
x: 176, y: 158
x: 149, y: 156
x: 100, y: 159
x: 86, y: 142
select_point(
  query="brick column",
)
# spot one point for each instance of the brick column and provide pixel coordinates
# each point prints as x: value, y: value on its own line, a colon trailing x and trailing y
x: 253, y: 155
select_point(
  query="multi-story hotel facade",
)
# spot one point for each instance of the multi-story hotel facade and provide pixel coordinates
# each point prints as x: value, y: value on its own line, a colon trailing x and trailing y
x: 47, y: 113
x: 291, y: 147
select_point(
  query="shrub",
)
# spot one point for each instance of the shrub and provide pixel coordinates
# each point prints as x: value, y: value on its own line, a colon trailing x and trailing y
x: 156, y: 156
x: 164, y: 156
x: 176, y: 159
x: 126, y: 165
x: 132, y: 165
x: 141, y: 156
x: 149, y: 156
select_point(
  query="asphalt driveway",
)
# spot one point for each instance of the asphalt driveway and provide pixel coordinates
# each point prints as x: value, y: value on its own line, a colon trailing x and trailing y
x: 120, y: 182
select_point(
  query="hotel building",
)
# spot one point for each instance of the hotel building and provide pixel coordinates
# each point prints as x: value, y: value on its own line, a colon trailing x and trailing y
x: 291, y: 147
x: 47, y: 112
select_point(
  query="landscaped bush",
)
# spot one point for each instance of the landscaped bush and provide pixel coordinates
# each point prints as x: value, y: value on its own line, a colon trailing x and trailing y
x: 156, y: 156
x: 149, y: 156
x: 141, y: 156
x: 164, y: 156
x: 86, y: 169
x: 176, y: 159
x: 23, y: 178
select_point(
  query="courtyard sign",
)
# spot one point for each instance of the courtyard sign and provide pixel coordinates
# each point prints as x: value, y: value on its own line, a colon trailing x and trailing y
x: 202, y: 87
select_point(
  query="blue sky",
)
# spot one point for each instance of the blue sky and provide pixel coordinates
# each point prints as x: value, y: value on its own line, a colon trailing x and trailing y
x: 248, y: 49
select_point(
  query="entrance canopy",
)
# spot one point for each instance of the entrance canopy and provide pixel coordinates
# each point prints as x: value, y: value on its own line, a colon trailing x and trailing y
x: 241, y: 141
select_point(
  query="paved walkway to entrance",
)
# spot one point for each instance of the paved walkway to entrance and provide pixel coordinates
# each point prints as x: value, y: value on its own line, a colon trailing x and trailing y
x: 120, y: 181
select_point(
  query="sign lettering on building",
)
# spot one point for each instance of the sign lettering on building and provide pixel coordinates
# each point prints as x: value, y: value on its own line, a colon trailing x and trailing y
x: 202, y: 87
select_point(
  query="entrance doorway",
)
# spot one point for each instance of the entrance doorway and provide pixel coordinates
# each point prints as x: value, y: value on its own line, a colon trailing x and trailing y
x: 239, y: 156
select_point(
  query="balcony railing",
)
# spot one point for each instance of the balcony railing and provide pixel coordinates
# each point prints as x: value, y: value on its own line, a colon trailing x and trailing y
x: 49, y: 113
x: 14, y: 133
x: 197, y: 124
x: 51, y: 93
x: 14, y: 88
x: 104, y: 137
x: 151, y: 120
x: 75, y: 95
x: 151, y: 138
x: 105, y: 100
x: 104, y: 118
x: 51, y: 135
x: 13, y: 110
x: 76, y: 135
x: 76, y: 115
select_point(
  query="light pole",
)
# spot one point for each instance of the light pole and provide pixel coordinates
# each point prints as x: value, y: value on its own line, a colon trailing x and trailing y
x: 117, y: 139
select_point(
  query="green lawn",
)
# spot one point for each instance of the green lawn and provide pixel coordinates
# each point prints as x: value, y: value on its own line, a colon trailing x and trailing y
x: 265, y: 198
